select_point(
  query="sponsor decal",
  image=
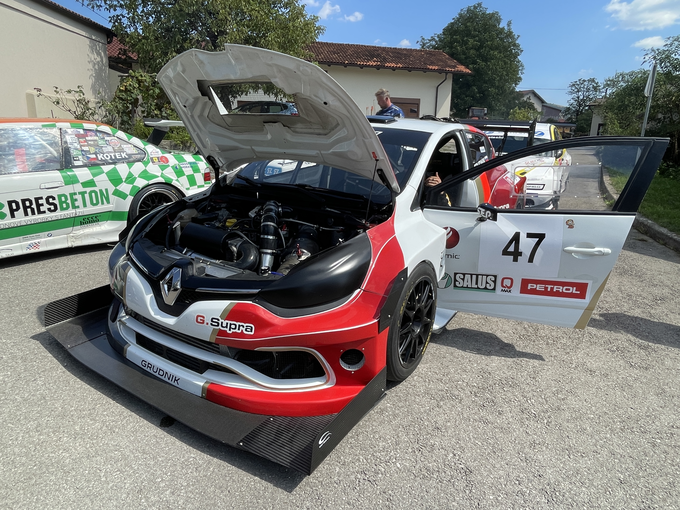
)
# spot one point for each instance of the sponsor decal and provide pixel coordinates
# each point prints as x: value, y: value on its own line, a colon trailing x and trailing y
x: 506, y: 285
x: 445, y: 282
x: 164, y: 160
x: 535, y: 186
x: 89, y: 220
x: 452, y: 238
x: 35, y: 245
x: 111, y: 156
x: 474, y: 281
x: 27, y: 207
x: 158, y: 371
x: 570, y: 223
x: 324, y: 438
x: 554, y: 288
x: 228, y: 326
x: 113, y: 142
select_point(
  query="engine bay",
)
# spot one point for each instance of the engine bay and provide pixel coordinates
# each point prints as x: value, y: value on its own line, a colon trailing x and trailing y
x: 255, y: 235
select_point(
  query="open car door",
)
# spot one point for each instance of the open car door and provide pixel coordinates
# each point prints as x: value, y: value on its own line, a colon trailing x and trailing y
x: 544, y: 266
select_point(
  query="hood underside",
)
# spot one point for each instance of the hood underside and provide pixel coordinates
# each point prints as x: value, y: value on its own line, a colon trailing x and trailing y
x: 329, y: 130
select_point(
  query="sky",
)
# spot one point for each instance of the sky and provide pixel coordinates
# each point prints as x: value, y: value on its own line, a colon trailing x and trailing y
x: 562, y: 41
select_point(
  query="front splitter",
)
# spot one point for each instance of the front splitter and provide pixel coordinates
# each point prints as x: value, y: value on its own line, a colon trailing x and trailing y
x: 300, y: 443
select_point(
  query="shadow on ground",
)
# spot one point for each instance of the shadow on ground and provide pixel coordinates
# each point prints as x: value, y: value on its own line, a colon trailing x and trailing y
x: 479, y: 342
x: 655, y: 332
x: 270, y: 472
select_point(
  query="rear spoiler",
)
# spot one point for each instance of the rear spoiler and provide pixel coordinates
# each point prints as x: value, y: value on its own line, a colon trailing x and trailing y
x: 160, y: 128
x: 506, y: 126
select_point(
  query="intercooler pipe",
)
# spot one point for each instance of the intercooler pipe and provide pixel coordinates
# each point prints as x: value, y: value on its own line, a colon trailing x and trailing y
x: 269, y: 235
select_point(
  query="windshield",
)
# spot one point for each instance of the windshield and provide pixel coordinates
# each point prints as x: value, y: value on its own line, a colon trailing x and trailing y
x: 402, y: 147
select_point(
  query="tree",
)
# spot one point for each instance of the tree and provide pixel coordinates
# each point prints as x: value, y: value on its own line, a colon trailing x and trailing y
x: 623, y: 108
x: 582, y: 93
x: 157, y: 30
x: 476, y: 39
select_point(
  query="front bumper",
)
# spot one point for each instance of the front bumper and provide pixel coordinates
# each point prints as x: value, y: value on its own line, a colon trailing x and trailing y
x: 79, y: 323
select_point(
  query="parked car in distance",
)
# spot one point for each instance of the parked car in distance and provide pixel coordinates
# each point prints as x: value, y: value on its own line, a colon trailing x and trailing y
x: 67, y: 183
x: 276, y: 107
x: 545, y: 174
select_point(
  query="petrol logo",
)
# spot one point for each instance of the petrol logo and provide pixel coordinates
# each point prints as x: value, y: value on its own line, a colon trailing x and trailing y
x: 554, y: 288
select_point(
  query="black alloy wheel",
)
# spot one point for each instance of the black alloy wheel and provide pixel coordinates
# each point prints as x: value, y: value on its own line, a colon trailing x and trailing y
x: 412, y: 324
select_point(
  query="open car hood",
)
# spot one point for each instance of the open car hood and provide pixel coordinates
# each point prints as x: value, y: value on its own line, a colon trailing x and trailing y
x: 330, y: 128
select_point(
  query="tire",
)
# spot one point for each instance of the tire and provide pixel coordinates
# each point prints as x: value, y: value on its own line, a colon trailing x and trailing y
x: 147, y: 199
x: 412, y: 324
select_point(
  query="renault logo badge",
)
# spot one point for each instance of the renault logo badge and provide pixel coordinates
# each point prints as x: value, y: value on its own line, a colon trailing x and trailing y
x: 171, y: 286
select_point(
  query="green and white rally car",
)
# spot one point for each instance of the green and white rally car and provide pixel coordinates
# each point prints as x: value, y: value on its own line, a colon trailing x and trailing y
x: 71, y: 183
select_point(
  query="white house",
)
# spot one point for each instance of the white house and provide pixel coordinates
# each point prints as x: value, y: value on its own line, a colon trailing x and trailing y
x: 419, y: 81
x: 45, y: 45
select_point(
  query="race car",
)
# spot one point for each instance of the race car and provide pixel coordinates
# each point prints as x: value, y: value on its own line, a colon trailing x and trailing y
x: 546, y: 173
x: 269, y: 311
x: 72, y: 183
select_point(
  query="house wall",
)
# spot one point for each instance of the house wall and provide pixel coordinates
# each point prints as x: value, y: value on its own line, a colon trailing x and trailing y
x: 538, y: 104
x: 43, y: 48
x: 362, y: 83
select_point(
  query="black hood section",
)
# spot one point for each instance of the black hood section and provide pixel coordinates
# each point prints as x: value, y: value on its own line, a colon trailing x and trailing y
x: 323, y: 278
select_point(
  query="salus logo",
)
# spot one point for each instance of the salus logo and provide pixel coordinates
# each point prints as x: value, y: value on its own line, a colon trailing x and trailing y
x: 474, y: 281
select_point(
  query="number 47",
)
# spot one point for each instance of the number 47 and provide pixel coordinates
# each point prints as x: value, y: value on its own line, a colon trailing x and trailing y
x: 512, y: 249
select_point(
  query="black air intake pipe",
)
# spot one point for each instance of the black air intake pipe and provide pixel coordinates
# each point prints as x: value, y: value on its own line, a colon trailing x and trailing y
x: 269, y: 235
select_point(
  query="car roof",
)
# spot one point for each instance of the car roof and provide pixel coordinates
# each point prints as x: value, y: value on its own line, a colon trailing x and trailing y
x: 25, y: 120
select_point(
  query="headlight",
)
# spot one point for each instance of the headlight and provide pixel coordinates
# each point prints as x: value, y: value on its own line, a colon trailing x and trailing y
x: 119, y: 266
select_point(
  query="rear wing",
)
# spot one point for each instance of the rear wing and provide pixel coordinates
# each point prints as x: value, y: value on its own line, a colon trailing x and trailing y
x: 504, y: 127
x: 160, y: 128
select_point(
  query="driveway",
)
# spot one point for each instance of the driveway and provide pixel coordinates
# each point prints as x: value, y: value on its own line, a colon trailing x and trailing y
x: 500, y: 414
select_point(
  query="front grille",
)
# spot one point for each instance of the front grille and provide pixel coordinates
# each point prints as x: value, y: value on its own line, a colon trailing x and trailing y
x: 274, y: 364
x: 187, y: 339
x: 177, y: 357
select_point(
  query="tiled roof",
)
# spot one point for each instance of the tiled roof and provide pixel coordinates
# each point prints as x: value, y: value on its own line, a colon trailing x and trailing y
x: 75, y: 16
x: 383, y: 57
x: 115, y: 49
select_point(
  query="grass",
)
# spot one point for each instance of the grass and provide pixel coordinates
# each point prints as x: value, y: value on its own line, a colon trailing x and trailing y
x: 662, y: 203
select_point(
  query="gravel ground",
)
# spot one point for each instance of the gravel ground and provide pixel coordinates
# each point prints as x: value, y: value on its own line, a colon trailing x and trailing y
x: 500, y: 414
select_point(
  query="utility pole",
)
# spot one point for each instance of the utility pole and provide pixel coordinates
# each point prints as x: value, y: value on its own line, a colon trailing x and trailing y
x: 649, y: 90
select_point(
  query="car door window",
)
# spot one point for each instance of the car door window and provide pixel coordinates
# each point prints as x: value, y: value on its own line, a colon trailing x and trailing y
x: 27, y: 149
x: 477, y: 145
x: 589, y: 177
x: 89, y: 147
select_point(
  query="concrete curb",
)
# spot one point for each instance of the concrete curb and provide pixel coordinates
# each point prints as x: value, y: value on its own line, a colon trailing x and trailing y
x: 657, y: 232
x: 641, y: 224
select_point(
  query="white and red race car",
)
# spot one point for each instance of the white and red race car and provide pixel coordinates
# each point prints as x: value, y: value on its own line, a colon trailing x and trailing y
x: 269, y: 311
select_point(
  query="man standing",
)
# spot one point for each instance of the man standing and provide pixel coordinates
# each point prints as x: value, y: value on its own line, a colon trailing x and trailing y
x: 383, y: 97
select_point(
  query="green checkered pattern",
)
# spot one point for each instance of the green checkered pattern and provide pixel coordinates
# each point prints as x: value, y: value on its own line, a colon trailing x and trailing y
x: 183, y: 170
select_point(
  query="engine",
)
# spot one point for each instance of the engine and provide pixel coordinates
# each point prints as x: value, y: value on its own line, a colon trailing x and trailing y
x: 267, y: 239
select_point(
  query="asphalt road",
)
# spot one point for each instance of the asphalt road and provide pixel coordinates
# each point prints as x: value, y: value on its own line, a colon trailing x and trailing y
x: 500, y: 414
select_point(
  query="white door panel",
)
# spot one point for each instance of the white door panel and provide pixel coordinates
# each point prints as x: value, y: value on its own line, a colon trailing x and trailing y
x: 528, y: 266
x: 527, y: 263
